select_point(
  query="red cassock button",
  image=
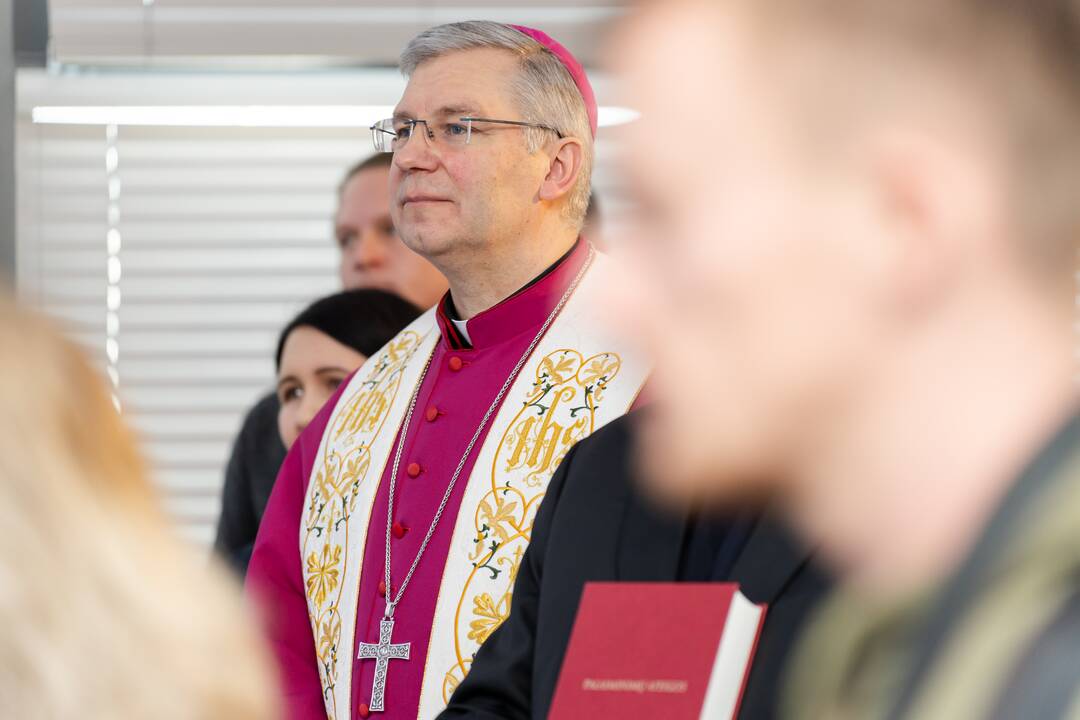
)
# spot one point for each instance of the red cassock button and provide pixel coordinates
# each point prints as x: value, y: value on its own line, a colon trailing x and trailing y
x: 382, y: 588
x: 432, y: 414
x: 363, y: 711
x: 413, y: 470
x: 455, y: 363
x: 399, y: 530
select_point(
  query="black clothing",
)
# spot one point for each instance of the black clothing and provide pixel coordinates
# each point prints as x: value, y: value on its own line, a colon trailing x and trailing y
x: 593, y: 525
x: 249, y: 477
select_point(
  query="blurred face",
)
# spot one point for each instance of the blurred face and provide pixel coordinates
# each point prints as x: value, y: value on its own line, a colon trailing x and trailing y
x: 313, y: 366
x: 471, y: 197
x: 749, y: 271
x: 372, y: 254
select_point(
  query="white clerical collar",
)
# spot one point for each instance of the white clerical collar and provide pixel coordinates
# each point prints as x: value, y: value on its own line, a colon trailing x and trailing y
x: 463, y: 328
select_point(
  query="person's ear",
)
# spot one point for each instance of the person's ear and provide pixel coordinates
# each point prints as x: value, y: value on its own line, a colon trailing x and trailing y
x: 563, y: 171
x: 934, y: 206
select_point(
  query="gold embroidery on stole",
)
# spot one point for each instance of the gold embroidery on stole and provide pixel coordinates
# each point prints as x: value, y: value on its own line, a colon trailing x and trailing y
x: 578, y: 379
x: 344, y: 466
x: 559, y: 410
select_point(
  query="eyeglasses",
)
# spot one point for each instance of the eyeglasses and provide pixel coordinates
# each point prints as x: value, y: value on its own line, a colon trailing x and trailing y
x: 393, y: 134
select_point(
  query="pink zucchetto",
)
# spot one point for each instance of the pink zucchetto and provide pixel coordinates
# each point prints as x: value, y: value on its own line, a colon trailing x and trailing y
x: 577, y: 72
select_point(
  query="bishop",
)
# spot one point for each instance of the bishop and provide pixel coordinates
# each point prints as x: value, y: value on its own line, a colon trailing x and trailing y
x: 401, y: 514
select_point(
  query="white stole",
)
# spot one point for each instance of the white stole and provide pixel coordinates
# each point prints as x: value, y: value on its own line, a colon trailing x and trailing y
x: 576, y: 380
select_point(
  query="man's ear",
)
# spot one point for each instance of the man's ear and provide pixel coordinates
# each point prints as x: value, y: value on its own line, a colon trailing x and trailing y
x: 563, y: 171
x: 934, y: 205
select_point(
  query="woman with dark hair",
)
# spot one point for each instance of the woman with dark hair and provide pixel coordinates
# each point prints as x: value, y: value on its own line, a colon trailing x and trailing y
x: 316, y: 352
x: 325, y: 344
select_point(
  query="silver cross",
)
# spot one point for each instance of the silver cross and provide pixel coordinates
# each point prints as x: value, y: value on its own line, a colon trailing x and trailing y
x: 382, y: 653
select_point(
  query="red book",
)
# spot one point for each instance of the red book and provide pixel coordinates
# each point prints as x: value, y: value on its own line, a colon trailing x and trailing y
x: 659, y: 650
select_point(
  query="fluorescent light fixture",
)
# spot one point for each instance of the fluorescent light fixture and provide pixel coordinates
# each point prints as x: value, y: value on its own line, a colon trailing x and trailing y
x: 300, y: 13
x: 611, y: 115
x: 215, y: 115
x: 358, y: 116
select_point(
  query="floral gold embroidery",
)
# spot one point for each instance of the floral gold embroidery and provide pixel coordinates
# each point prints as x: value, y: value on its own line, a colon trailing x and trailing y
x: 496, y: 520
x: 489, y: 616
x: 323, y: 573
x: 329, y: 633
x: 558, y: 369
x: 335, y: 489
x: 453, y: 679
x: 598, y: 370
x: 558, y: 408
x: 514, y: 563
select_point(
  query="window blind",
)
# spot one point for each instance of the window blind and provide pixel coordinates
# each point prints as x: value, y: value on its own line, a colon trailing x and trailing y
x: 174, y: 255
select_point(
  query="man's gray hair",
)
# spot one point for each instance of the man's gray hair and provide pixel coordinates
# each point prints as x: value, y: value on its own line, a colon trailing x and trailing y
x: 545, y: 92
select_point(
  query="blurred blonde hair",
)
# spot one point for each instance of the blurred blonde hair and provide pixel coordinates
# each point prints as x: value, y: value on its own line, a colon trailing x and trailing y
x: 105, y: 613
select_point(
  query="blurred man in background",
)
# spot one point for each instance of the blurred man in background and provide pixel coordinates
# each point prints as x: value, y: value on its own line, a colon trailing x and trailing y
x: 857, y: 276
x: 372, y: 256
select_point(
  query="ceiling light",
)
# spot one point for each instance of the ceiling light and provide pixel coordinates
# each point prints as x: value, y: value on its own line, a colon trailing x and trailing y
x: 358, y: 116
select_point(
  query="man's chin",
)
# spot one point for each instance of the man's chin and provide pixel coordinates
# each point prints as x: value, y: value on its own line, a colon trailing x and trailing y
x: 663, y: 470
x: 387, y: 285
x: 427, y: 239
x: 680, y: 474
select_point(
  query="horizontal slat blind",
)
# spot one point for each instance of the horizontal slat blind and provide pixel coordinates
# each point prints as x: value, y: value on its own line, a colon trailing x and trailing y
x: 62, y: 225
x: 219, y: 236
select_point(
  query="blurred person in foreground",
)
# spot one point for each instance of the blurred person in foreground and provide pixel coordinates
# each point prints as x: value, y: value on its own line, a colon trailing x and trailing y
x: 857, y: 277
x: 593, y: 229
x: 372, y: 256
x: 106, y: 613
x: 316, y: 352
x: 390, y: 544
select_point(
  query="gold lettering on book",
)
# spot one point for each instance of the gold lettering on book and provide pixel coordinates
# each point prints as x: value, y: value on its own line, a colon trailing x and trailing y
x: 641, y: 687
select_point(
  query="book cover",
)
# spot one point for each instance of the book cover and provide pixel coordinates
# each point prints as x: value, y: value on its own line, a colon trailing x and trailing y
x: 670, y: 650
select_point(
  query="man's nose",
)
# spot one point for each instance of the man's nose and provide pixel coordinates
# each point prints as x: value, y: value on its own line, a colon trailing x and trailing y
x: 369, y: 250
x: 418, y: 152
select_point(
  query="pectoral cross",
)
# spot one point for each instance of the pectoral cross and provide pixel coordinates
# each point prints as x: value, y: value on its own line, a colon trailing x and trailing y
x: 382, y: 653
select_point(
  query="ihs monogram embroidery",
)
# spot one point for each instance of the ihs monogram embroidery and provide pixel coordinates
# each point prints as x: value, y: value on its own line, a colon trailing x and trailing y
x: 559, y: 410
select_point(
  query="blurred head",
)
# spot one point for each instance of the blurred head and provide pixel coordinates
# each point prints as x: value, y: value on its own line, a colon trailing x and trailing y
x: 325, y: 344
x: 592, y: 229
x: 849, y: 177
x: 510, y: 185
x: 372, y: 254
x: 108, y: 615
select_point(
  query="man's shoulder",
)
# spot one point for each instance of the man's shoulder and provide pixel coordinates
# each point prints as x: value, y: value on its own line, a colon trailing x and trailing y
x: 613, y: 439
x: 597, y: 467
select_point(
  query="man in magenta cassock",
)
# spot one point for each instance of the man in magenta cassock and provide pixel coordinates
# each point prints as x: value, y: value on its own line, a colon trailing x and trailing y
x: 395, y: 530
